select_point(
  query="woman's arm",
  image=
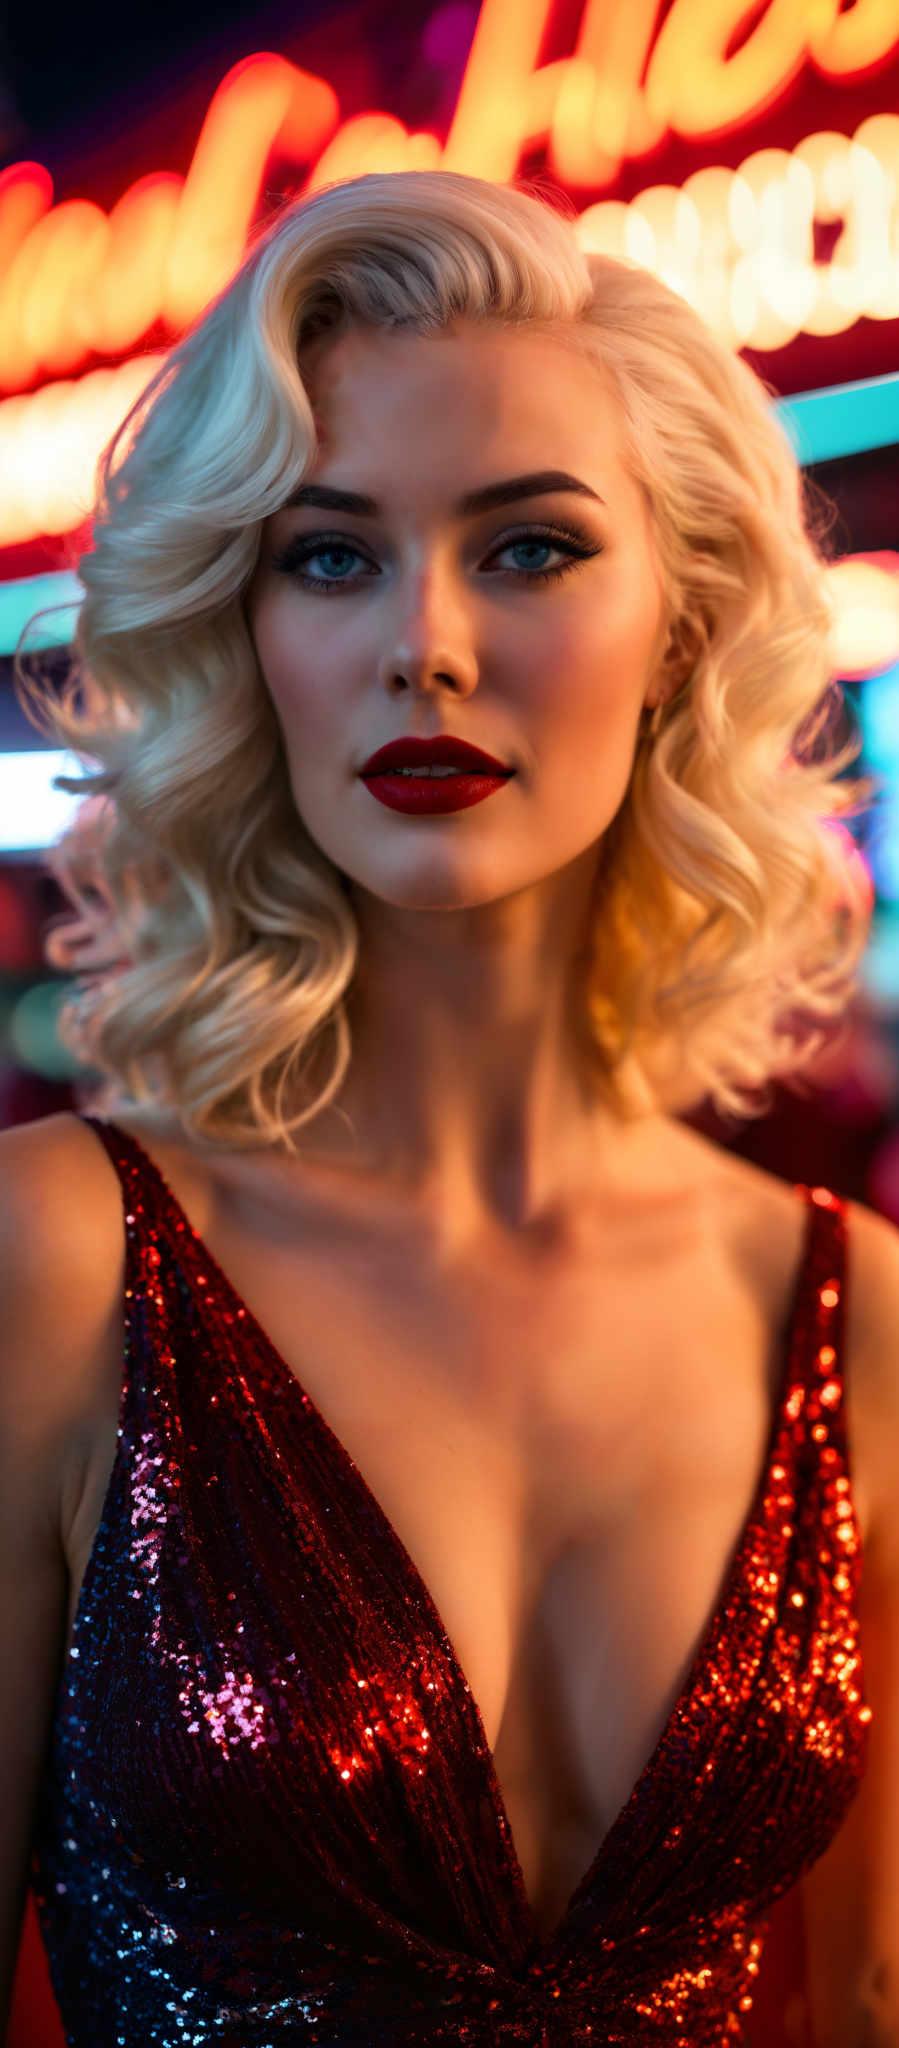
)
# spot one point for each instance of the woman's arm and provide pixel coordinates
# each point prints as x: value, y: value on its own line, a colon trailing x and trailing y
x: 48, y: 1331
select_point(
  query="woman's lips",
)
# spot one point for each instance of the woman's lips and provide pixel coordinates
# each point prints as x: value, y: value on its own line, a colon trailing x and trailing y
x: 425, y: 795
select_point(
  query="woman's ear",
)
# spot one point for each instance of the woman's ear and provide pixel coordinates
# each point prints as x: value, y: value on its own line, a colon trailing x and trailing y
x: 680, y: 657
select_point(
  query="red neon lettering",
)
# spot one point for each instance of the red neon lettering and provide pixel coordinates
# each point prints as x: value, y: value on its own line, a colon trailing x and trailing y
x: 74, y: 282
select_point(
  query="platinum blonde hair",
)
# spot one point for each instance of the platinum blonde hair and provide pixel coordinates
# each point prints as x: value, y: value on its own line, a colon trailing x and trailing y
x: 730, y: 917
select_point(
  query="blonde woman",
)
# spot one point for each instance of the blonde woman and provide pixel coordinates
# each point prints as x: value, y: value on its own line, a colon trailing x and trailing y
x: 431, y: 1557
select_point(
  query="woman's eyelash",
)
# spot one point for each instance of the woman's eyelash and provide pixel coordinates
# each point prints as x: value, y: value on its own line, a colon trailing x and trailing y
x: 299, y: 550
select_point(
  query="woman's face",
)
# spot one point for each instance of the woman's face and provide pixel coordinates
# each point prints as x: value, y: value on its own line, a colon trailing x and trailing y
x: 429, y: 623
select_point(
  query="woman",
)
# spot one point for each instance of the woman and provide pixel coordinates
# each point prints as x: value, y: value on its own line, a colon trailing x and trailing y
x: 432, y: 1669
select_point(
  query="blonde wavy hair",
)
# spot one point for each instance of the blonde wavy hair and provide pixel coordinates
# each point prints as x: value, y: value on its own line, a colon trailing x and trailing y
x: 730, y: 915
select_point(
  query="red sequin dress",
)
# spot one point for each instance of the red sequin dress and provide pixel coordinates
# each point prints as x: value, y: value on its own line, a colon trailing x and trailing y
x: 269, y: 1812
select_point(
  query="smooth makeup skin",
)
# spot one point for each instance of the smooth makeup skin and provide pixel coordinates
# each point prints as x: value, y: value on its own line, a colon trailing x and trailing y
x: 464, y: 1088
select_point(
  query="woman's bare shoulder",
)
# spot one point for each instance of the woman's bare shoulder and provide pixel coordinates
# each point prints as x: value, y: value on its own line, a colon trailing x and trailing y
x: 66, y: 1146
x: 62, y: 1210
x: 774, y: 1222
x: 62, y: 1251
x: 43, y: 1164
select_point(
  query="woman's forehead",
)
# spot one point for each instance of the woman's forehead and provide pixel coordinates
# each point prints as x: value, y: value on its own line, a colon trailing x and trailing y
x: 506, y: 409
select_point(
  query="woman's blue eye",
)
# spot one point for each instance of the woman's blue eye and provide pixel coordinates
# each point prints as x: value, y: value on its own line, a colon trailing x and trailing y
x: 326, y: 548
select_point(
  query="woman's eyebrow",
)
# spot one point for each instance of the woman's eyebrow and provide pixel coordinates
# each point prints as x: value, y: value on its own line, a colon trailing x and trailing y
x: 329, y: 499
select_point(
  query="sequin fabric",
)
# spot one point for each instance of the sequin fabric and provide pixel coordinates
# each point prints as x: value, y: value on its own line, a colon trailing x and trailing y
x: 269, y: 1812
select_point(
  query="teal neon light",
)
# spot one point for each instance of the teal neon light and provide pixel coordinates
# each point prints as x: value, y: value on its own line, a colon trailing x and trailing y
x: 840, y: 419
x: 20, y: 601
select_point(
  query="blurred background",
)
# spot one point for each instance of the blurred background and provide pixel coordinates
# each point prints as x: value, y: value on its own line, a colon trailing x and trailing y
x: 749, y: 155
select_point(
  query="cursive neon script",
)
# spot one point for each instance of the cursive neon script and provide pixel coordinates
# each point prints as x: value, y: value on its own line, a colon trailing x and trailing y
x: 76, y: 282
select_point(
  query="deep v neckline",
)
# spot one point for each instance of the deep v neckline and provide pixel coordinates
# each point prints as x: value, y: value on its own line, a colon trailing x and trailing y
x: 537, y: 1945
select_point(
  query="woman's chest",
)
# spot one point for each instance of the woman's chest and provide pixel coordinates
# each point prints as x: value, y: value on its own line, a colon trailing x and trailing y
x: 567, y: 1455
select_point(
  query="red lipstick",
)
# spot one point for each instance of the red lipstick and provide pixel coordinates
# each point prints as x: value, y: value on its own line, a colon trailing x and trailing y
x: 473, y: 775
x: 420, y: 796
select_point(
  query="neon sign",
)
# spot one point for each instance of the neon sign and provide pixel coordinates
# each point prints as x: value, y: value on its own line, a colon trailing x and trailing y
x: 76, y: 283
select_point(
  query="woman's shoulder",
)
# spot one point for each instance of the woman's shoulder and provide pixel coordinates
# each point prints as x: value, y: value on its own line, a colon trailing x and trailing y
x: 62, y: 1251
x: 183, y: 1164
x: 770, y: 1234
x: 54, y: 1172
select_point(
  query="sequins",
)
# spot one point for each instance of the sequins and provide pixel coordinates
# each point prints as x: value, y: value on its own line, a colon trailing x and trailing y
x: 269, y: 1813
